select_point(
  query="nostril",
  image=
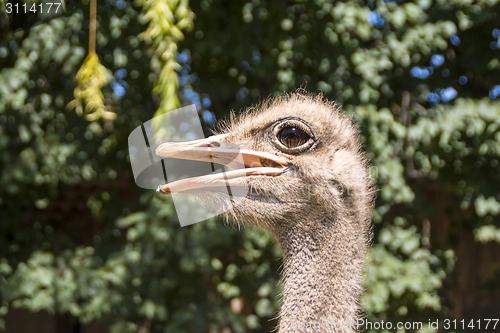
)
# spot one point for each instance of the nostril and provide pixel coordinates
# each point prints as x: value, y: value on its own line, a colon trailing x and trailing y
x: 215, y: 144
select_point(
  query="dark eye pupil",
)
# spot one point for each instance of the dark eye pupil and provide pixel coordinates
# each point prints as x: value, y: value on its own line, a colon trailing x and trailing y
x: 292, y: 137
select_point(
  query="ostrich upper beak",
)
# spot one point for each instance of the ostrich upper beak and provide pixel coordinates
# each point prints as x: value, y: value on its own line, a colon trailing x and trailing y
x: 216, y: 149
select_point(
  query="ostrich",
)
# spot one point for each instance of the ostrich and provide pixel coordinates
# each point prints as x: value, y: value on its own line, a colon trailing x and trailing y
x: 308, y: 185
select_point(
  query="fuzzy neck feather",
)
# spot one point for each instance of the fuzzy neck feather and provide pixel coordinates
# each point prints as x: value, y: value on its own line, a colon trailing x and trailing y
x: 322, y: 275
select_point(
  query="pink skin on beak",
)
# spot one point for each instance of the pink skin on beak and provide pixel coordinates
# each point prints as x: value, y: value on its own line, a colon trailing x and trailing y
x: 215, y: 149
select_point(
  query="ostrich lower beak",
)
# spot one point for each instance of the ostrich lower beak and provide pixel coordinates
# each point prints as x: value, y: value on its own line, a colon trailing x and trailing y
x: 215, y: 149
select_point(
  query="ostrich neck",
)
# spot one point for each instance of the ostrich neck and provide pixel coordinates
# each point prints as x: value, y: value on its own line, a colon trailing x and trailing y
x: 322, y: 275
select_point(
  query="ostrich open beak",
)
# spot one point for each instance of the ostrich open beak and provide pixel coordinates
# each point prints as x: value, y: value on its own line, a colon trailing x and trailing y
x: 216, y: 149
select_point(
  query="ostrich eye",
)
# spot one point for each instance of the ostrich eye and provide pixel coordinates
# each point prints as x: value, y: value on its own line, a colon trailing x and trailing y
x: 292, y: 137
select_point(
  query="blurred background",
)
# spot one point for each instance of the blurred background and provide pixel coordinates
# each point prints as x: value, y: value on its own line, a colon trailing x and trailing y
x: 83, y: 249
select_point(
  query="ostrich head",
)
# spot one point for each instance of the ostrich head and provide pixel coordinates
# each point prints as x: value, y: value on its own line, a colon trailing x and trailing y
x: 297, y: 154
x: 306, y: 182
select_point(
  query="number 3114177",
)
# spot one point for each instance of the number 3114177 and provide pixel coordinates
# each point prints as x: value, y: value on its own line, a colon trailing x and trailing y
x: 26, y: 8
x: 472, y: 324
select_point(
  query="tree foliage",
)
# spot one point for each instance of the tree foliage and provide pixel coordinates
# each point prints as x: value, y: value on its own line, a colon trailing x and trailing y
x: 78, y: 237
